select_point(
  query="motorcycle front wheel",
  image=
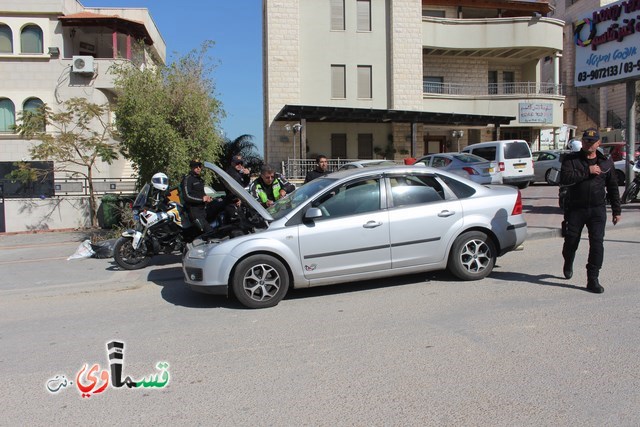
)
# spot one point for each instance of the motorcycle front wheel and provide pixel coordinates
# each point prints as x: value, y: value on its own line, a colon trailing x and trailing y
x: 631, y: 193
x: 128, y: 258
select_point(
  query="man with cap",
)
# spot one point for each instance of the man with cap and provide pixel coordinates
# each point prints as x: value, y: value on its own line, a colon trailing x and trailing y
x: 195, y: 198
x: 238, y: 172
x: 591, y: 179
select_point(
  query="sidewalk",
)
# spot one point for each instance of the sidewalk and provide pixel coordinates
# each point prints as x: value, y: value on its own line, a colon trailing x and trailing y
x: 540, y: 206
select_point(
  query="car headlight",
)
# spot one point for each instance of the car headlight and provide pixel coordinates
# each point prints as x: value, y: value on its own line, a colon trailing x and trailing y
x: 197, y: 253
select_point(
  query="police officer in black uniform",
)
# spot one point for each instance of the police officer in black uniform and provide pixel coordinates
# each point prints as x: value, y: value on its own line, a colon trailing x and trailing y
x: 591, y: 179
x: 195, y: 198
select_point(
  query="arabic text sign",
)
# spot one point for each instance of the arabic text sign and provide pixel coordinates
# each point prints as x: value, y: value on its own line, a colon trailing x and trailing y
x: 535, y: 112
x: 607, y: 44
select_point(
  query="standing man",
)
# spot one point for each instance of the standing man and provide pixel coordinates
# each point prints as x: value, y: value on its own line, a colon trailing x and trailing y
x: 268, y: 187
x: 322, y: 164
x: 195, y: 198
x: 591, y: 179
x: 238, y: 172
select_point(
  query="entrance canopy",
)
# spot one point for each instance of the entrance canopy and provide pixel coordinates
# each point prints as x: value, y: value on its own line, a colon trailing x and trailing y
x: 366, y: 115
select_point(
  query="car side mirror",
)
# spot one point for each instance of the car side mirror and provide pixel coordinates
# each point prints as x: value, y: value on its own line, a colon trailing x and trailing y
x: 313, y: 213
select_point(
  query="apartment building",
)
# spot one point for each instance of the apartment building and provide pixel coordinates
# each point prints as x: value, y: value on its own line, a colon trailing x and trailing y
x: 601, y: 107
x: 51, y: 51
x: 403, y: 78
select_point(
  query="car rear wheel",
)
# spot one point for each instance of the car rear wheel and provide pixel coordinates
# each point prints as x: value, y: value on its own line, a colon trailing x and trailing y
x: 260, y: 281
x: 522, y: 185
x: 472, y: 256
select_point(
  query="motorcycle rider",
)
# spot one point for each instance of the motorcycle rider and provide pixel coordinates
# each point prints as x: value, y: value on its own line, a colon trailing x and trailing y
x: 159, y: 198
x: 195, y: 198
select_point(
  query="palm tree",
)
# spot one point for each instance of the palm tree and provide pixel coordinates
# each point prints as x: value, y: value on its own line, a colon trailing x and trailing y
x: 244, y: 146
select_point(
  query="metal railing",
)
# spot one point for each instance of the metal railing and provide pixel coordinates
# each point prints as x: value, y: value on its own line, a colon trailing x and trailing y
x: 519, y: 88
x: 67, y: 187
x: 296, y: 169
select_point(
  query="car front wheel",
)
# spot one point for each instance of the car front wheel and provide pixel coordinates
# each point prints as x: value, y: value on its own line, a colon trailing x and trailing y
x: 260, y: 281
x: 472, y: 256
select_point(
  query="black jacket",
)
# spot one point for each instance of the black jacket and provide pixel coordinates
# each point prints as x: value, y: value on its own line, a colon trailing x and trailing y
x: 586, y: 190
x: 242, y: 178
x: 313, y: 174
x: 193, y: 190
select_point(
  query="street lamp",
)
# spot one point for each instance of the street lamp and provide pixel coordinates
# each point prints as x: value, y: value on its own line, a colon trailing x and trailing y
x: 295, y: 128
x: 457, y: 134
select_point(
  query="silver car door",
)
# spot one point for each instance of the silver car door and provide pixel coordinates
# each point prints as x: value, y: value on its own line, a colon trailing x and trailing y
x: 351, y: 237
x: 422, y: 222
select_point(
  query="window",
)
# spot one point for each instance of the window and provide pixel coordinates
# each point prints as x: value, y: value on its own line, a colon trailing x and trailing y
x: 365, y: 146
x: 351, y: 199
x: 338, y: 145
x: 433, y: 13
x: 415, y: 189
x: 6, y: 39
x: 7, y: 115
x: 364, y: 15
x: 338, y: 82
x: 432, y: 84
x: 31, y: 106
x: 31, y: 39
x: 493, y: 82
x: 337, y: 15
x: 508, y: 79
x: 364, y: 82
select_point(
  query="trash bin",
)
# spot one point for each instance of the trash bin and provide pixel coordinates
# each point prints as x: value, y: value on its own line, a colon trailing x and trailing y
x: 108, y: 213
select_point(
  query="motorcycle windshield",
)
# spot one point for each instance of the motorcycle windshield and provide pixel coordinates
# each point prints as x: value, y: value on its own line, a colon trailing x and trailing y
x: 141, y: 199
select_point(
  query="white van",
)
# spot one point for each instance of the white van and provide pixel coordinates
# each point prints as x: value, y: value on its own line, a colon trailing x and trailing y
x: 512, y: 158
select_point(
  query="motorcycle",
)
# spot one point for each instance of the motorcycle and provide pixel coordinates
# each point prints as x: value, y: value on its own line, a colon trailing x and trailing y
x: 159, y: 228
x: 631, y: 193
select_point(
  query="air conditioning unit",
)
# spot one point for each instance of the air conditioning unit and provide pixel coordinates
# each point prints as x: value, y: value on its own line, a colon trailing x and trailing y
x: 82, y: 64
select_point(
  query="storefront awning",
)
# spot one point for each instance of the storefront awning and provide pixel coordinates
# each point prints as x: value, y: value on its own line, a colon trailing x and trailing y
x: 365, y: 115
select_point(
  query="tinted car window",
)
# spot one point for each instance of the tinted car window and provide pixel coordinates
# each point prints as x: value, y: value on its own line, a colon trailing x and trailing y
x: 488, y: 153
x: 461, y: 190
x: 516, y: 150
x: 351, y: 199
x: 415, y: 189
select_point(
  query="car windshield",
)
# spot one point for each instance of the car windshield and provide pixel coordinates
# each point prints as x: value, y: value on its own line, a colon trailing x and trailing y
x: 299, y: 196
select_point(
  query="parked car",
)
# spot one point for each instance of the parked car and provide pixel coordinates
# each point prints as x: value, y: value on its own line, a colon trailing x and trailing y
x: 361, y: 224
x: 466, y: 165
x: 544, y: 162
x: 512, y: 157
x: 617, y: 150
x: 366, y: 163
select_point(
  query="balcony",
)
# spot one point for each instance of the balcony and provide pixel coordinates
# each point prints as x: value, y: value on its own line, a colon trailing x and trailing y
x: 517, y: 39
x: 517, y: 89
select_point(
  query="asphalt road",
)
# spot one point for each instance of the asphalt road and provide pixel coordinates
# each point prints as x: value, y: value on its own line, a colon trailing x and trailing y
x: 522, y: 347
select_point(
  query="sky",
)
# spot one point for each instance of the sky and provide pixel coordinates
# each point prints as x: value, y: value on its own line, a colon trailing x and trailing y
x: 236, y: 28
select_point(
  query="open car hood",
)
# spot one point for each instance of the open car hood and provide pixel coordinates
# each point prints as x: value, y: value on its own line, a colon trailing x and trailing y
x: 233, y: 187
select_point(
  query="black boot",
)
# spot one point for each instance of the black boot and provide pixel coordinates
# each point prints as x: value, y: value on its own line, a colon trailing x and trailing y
x: 567, y: 269
x: 593, y: 285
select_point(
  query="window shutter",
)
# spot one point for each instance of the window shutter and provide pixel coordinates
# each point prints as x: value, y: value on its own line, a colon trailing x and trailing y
x: 337, y: 15
x: 6, y: 42
x: 364, y: 15
x: 338, y: 81
x: 364, y: 82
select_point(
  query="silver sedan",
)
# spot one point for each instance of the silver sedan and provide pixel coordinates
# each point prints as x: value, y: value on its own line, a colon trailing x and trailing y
x: 544, y: 162
x: 360, y: 224
x: 466, y: 165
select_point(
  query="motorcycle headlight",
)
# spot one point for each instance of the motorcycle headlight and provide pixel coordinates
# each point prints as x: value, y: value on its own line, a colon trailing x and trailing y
x: 197, y: 253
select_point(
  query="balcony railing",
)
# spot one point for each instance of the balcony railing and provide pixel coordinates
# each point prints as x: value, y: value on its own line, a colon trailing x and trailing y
x: 518, y: 88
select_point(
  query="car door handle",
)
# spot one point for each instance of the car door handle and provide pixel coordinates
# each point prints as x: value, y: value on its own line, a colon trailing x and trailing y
x: 445, y: 214
x: 372, y: 224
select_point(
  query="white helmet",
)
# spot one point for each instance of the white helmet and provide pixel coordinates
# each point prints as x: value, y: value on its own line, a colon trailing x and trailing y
x: 574, y: 145
x: 160, y: 181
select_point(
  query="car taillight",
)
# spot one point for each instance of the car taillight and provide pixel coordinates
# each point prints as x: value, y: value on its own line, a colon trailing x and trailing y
x: 470, y: 171
x: 501, y: 166
x: 517, y: 208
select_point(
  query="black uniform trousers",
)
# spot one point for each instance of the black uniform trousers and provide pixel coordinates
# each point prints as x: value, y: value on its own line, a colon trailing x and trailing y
x: 198, y: 215
x: 595, y: 218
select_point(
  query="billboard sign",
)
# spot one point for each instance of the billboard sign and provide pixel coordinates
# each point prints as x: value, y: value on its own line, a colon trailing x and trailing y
x: 608, y: 44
